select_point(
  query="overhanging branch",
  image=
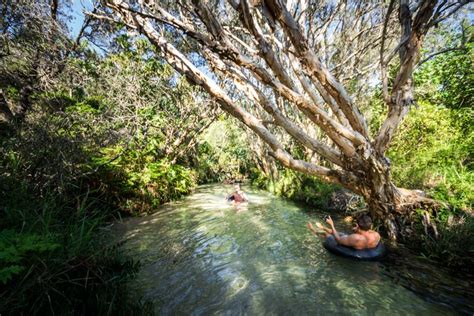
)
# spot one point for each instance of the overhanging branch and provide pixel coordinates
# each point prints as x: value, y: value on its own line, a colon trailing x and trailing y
x: 185, y: 67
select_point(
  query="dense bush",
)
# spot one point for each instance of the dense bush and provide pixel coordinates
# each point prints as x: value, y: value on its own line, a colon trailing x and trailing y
x: 68, y: 168
x: 454, y: 246
x: 298, y: 187
x: 138, y: 181
x: 52, y: 257
x: 432, y: 152
x: 224, y: 152
x: 54, y: 198
x: 52, y: 254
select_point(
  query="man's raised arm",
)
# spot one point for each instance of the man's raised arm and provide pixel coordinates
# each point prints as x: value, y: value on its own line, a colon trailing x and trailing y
x: 353, y: 240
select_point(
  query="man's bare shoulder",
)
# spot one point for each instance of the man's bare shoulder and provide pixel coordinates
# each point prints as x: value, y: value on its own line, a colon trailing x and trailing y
x: 374, y: 234
x: 356, y: 240
x: 357, y: 237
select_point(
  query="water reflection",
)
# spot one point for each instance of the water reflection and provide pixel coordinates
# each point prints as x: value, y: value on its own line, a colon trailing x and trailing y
x: 205, y: 256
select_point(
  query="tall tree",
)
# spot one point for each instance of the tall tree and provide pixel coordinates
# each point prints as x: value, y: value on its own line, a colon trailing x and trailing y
x: 282, y: 58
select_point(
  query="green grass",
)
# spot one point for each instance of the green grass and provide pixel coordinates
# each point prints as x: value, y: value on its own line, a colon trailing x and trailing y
x: 54, y: 260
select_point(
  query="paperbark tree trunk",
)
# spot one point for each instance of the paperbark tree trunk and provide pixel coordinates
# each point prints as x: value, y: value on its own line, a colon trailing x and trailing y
x: 386, y: 202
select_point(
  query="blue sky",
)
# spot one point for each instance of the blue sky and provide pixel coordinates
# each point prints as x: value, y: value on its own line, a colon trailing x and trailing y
x: 78, y: 8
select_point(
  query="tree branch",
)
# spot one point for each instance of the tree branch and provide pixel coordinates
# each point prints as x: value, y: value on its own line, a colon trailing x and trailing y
x: 226, y: 50
x: 438, y: 53
x: 315, y: 69
x: 447, y: 15
x: 295, y: 131
x: 185, y: 67
x: 401, y: 96
x: 383, y: 64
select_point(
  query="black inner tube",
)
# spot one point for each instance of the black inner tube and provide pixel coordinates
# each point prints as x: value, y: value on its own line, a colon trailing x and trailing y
x: 365, y: 254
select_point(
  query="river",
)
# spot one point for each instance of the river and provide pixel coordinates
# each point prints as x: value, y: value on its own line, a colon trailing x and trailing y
x: 204, y: 256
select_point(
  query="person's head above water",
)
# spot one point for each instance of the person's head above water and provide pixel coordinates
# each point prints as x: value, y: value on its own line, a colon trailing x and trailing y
x: 364, y: 222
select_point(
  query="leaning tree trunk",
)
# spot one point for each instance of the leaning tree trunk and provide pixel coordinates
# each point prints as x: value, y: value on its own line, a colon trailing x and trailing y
x: 388, y: 204
x: 383, y: 198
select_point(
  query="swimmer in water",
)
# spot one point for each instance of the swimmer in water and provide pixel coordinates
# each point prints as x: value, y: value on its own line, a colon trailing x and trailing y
x: 238, y: 196
x: 363, y: 237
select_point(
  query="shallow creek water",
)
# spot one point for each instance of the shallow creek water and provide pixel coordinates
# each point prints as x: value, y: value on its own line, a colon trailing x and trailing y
x: 204, y: 256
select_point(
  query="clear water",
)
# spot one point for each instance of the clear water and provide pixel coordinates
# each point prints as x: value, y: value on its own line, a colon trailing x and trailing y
x: 204, y: 256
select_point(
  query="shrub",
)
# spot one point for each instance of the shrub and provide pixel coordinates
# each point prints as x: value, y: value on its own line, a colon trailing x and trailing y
x: 139, y: 183
x: 297, y: 187
x: 223, y: 153
x: 454, y: 246
x: 53, y: 258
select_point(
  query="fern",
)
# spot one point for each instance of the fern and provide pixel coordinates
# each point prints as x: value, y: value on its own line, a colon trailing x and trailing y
x: 14, y: 249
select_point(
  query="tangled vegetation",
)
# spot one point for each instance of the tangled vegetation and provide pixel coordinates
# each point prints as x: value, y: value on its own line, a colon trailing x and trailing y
x: 85, y: 145
x: 87, y: 137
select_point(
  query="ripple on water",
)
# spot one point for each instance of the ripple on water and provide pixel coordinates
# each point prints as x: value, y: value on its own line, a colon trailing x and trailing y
x: 203, y: 256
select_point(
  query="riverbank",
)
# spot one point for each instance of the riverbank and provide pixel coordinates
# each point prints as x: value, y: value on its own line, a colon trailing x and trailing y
x: 56, y: 259
x: 55, y: 253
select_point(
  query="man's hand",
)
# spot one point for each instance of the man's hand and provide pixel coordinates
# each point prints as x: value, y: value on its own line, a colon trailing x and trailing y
x: 334, y: 231
x: 330, y: 221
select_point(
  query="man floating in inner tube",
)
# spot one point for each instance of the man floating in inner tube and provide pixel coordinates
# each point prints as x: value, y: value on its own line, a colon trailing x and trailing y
x: 238, y: 196
x: 362, y: 238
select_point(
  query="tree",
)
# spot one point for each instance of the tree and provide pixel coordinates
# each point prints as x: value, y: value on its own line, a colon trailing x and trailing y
x: 34, y: 50
x: 267, y: 55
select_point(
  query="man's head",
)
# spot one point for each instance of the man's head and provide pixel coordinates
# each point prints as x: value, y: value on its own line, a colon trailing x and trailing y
x: 364, y: 222
x: 237, y: 187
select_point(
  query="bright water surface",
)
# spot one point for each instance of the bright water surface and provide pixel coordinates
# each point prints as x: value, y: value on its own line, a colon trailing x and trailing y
x: 204, y: 256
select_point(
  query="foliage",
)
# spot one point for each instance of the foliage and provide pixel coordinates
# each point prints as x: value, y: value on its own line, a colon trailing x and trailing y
x: 259, y: 179
x: 64, y: 174
x: 52, y: 257
x: 82, y: 155
x: 14, y: 248
x: 430, y: 149
x: 448, y: 78
x: 297, y: 187
x: 433, y: 150
x: 223, y: 152
x: 455, y: 245
x: 143, y: 99
x: 138, y: 180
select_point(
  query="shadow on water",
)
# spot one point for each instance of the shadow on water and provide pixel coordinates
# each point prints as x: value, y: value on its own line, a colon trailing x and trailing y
x: 204, y: 256
x: 433, y: 283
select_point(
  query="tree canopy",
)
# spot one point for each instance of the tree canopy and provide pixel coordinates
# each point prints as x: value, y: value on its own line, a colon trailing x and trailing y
x: 292, y: 67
